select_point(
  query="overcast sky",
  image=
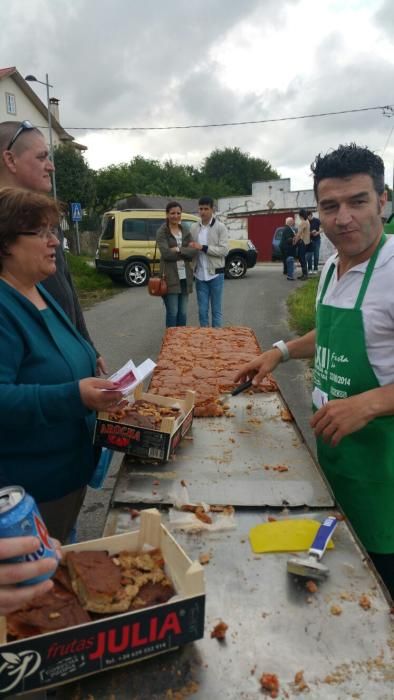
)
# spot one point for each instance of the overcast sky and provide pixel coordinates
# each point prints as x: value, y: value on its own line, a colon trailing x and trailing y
x: 119, y: 63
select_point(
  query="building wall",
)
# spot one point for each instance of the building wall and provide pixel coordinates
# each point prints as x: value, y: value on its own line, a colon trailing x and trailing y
x: 24, y: 108
x: 261, y: 231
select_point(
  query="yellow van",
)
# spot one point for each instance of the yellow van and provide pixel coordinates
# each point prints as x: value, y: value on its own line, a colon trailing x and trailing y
x: 126, y: 247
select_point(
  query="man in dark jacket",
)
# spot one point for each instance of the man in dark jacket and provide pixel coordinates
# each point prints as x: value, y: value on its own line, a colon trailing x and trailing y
x: 287, y: 247
x: 24, y: 162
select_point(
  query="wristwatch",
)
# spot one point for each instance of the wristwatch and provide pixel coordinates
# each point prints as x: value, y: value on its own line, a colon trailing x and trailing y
x: 281, y: 345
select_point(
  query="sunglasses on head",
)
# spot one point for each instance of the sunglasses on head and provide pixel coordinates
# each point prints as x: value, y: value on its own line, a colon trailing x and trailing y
x: 23, y: 126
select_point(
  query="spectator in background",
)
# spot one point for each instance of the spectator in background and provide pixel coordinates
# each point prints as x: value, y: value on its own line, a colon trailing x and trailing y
x: 303, y: 239
x: 287, y: 247
x: 176, y: 257
x: 210, y: 239
x: 24, y: 162
x: 314, y: 224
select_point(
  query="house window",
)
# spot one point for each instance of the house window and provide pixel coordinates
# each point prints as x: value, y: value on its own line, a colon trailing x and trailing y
x: 10, y: 103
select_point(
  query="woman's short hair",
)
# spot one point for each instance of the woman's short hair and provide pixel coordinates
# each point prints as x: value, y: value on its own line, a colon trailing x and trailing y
x: 172, y: 205
x: 22, y: 210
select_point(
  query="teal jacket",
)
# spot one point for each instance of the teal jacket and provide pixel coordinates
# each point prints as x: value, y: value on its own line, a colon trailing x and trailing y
x: 45, y: 430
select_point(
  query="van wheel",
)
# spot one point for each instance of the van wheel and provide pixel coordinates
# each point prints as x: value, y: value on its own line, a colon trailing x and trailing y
x: 136, y: 274
x: 236, y: 267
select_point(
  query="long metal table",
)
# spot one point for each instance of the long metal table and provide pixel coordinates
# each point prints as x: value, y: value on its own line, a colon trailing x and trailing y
x: 233, y: 460
x: 274, y: 624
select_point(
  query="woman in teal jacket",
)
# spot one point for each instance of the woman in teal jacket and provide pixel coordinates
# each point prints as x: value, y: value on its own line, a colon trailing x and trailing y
x: 48, y: 391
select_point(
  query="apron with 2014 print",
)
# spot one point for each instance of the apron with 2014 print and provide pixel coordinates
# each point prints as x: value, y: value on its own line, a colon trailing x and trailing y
x: 361, y: 468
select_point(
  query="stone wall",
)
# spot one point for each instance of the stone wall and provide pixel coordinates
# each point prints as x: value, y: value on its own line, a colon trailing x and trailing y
x: 88, y: 242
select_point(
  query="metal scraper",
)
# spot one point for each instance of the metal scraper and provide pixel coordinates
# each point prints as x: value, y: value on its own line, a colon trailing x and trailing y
x: 311, y: 566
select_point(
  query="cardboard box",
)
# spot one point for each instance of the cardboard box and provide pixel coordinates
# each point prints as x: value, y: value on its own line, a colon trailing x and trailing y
x: 58, y: 657
x: 157, y: 445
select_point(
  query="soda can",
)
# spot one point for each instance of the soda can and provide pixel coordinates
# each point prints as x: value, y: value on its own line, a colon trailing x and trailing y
x: 20, y: 517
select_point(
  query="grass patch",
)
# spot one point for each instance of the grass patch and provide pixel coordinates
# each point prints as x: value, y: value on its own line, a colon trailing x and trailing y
x: 301, y: 305
x: 91, y: 286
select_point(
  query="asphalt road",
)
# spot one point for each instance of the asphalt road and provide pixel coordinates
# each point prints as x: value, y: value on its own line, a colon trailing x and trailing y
x: 131, y: 325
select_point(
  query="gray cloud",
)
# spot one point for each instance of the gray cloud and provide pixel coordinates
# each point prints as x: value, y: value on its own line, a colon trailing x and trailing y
x: 123, y: 63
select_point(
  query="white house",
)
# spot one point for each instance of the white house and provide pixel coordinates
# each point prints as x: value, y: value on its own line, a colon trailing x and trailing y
x: 19, y: 102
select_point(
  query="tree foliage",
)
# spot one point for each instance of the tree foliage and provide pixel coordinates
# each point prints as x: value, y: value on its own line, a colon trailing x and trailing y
x: 75, y: 181
x: 224, y: 173
x: 235, y: 171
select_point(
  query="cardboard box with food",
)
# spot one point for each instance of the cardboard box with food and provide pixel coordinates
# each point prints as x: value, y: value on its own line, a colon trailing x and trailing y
x: 148, y: 426
x: 115, y: 601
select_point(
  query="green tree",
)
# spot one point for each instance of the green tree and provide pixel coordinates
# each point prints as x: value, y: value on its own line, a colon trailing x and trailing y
x: 224, y: 173
x: 75, y: 181
x: 235, y: 171
x: 112, y: 182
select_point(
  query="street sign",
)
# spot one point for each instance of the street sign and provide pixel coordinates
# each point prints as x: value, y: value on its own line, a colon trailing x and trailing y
x: 76, y: 211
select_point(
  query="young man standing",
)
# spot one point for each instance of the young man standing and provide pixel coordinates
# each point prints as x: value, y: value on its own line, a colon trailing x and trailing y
x: 210, y: 239
x: 353, y: 393
x: 24, y: 162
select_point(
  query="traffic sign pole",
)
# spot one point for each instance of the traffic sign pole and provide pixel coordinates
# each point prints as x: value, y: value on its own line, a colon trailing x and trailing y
x: 76, y: 216
x: 78, y: 241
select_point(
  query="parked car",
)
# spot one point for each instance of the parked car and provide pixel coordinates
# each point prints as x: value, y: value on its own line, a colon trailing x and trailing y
x: 126, y: 249
x: 276, y: 254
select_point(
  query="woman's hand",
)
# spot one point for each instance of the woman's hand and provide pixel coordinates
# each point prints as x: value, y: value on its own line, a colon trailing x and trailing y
x: 93, y: 396
x: 11, y: 596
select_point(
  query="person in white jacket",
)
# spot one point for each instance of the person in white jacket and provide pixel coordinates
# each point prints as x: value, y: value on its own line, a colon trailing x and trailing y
x: 210, y: 238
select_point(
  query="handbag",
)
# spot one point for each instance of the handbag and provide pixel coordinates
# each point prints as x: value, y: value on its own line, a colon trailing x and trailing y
x: 157, y: 286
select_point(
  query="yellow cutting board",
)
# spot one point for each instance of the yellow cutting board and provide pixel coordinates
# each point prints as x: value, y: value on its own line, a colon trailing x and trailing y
x: 284, y: 536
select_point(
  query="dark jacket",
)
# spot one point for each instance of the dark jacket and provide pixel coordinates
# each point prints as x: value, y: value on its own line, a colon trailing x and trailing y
x: 166, y: 243
x: 61, y: 287
x: 286, y: 244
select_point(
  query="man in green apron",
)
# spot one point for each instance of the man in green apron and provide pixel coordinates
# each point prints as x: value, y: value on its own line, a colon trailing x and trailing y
x: 353, y: 347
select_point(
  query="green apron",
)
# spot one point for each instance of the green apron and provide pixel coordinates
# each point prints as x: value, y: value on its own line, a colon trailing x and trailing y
x: 361, y: 468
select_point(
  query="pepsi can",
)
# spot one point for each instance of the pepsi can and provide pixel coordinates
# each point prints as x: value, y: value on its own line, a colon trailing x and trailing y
x: 20, y: 517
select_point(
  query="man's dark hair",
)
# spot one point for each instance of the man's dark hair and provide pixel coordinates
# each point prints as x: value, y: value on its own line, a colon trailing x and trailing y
x: 349, y: 160
x: 303, y: 214
x: 205, y: 201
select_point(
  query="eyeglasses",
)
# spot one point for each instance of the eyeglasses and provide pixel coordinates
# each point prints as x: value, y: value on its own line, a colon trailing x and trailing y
x: 23, y: 126
x: 45, y: 233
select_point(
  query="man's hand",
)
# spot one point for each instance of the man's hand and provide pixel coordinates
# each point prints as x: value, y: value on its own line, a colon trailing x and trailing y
x: 12, y: 597
x: 93, y: 396
x: 101, y: 367
x: 341, y: 417
x: 195, y: 245
x: 259, y: 368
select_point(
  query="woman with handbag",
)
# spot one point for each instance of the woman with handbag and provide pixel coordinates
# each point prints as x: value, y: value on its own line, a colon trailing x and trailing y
x: 176, y: 257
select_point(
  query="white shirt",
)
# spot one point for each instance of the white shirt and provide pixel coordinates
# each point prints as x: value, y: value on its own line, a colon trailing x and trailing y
x: 377, y: 308
x: 201, y: 271
x: 180, y: 263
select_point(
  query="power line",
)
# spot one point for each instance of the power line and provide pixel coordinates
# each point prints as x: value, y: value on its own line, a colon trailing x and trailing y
x: 384, y: 108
